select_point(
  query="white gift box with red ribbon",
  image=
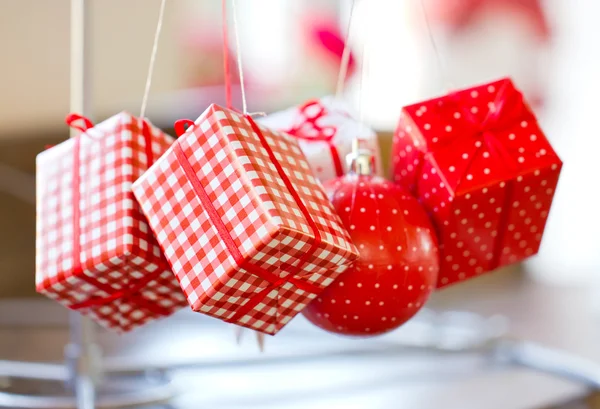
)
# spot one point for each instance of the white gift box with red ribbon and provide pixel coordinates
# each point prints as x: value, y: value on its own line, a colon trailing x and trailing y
x: 325, y: 129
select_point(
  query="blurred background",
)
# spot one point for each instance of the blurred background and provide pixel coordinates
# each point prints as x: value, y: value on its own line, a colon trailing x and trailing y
x: 292, y: 51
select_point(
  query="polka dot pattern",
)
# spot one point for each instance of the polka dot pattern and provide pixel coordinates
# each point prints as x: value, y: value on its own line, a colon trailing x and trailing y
x: 488, y: 191
x: 398, y: 264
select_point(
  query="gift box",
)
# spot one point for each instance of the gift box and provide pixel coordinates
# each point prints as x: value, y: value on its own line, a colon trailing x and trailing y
x: 95, y: 252
x: 325, y: 130
x: 479, y: 162
x: 246, y: 228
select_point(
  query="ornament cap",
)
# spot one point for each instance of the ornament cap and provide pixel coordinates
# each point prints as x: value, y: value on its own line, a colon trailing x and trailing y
x: 361, y: 160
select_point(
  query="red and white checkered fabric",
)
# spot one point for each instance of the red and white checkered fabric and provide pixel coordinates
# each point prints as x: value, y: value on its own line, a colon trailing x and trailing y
x: 265, y: 223
x: 116, y: 245
x: 330, y: 119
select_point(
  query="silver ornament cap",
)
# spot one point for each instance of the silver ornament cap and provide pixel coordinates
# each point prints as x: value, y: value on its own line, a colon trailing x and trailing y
x: 361, y: 160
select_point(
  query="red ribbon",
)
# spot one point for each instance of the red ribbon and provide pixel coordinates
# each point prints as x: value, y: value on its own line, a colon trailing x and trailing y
x: 274, y: 280
x: 226, y: 69
x: 308, y: 129
x: 75, y: 254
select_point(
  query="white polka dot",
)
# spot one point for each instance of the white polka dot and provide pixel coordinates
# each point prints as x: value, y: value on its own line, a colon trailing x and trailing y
x: 461, y: 275
x: 333, y: 301
x: 542, y: 152
x: 486, y: 154
x: 448, y: 258
x: 408, y: 128
x: 399, y: 248
x: 394, y: 211
x: 485, y: 190
x: 448, y: 128
x: 372, y: 228
x: 452, y: 235
x: 406, y: 268
x: 488, y: 225
x: 498, y: 210
x: 538, y: 205
x: 370, y: 266
x: 554, y: 166
x: 414, y: 249
x: 528, y: 220
x: 505, y: 250
x: 347, y: 301
x: 519, y: 178
x: 472, y: 262
x: 522, y: 213
x: 512, y: 136
x: 478, y: 144
x: 517, y: 236
x: 395, y: 286
x: 502, y: 184
x: 465, y: 156
x: 442, y: 185
x: 470, y: 230
x: 511, y: 227
x: 464, y: 221
x: 457, y: 115
x: 381, y: 303
x: 460, y: 244
x: 359, y: 285
x: 481, y: 215
x: 341, y: 284
x: 524, y: 124
x: 444, y: 280
x: 352, y: 227
x: 549, y: 191
x: 521, y: 159
x: 533, y: 198
x: 477, y: 239
x: 451, y: 168
x: 479, y: 270
x: 492, y: 200
x: 466, y: 253
x: 533, y: 137
x: 483, y: 247
x: 362, y: 246
x: 389, y: 228
x: 491, y: 88
x: 521, y: 150
x: 362, y: 210
x: 474, y: 94
x: 544, y: 182
x: 494, y: 233
x: 455, y: 267
x: 469, y: 177
x: 527, y: 189
x: 533, y: 229
x: 522, y: 244
x: 474, y: 110
x: 367, y: 302
x: 410, y: 287
x: 516, y: 204
x: 486, y: 171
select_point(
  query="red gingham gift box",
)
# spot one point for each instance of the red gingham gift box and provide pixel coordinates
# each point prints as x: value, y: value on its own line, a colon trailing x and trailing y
x: 95, y: 250
x: 246, y: 228
x: 479, y: 162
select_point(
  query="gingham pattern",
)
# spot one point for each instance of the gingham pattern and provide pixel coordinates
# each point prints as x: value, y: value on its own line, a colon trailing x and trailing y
x: 117, y: 246
x: 251, y: 199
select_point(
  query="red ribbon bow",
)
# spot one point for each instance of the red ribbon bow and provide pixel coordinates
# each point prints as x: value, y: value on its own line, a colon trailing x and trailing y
x: 132, y: 291
x: 307, y: 128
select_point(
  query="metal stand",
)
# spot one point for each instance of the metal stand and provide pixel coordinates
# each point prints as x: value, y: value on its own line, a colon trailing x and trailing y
x: 440, y: 333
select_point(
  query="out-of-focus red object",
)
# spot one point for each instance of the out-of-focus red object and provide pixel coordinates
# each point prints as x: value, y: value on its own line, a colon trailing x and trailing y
x: 398, y: 264
x: 459, y: 14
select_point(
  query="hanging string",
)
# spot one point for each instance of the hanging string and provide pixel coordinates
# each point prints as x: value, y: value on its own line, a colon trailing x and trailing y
x: 438, y: 56
x: 161, y: 16
x: 239, y: 57
x: 345, y: 62
x: 226, y: 69
x: 364, y: 69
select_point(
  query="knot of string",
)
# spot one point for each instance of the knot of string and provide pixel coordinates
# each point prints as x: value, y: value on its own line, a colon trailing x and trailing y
x: 159, y: 25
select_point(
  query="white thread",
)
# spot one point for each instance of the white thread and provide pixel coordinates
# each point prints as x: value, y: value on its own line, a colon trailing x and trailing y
x: 344, y: 64
x: 436, y: 51
x: 364, y: 70
x: 239, y: 57
x: 161, y: 16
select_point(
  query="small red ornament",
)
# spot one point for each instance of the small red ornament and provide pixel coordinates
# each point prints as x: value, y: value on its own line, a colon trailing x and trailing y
x: 398, y: 265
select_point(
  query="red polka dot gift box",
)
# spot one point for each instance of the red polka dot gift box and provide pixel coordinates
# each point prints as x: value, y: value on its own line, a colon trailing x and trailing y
x: 480, y: 164
x: 245, y: 225
x: 325, y: 129
x: 95, y: 252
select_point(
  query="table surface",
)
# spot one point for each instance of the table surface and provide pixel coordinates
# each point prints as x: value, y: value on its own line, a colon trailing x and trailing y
x: 35, y: 329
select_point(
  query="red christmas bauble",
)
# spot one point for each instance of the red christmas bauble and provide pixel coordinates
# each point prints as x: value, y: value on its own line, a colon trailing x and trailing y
x: 398, y: 265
